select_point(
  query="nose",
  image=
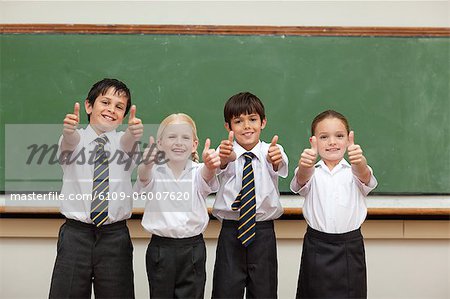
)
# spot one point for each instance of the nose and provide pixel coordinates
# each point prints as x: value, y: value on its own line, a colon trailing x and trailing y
x: 111, y: 108
x: 332, y: 140
x: 246, y: 124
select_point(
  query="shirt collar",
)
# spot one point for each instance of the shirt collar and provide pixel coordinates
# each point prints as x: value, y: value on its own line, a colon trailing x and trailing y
x: 164, y: 168
x: 239, y: 150
x: 91, y: 135
x: 343, y: 163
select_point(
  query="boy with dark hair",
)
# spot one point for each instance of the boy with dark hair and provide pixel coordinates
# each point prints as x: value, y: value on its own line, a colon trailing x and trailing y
x: 247, y: 203
x: 94, y: 245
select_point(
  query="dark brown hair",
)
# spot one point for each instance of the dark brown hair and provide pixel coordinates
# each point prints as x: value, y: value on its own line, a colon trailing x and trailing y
x: 243, y: 103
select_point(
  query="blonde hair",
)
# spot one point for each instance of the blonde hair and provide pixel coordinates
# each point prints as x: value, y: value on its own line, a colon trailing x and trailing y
x: 179, y: 118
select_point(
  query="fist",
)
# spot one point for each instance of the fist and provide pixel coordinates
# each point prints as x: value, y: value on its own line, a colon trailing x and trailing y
x: 71, y: 121
x: 309, y: 155
x: 135, y: 125
x: 274, y: 154
x: 210, y: 156
x: 226, y: 152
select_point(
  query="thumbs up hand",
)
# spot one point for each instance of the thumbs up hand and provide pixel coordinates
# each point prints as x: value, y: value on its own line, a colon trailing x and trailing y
x: 226, y: 152
x: 210, y: 156
x: 135, y: 126
x: 274, y: 153
x: 72, y: 120
x: 357, y: 160
x: 354, y: 151
x: 309, y: 156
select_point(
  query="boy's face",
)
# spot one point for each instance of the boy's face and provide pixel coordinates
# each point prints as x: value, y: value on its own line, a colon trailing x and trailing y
x: 247, y: 129
x: 332, y: 140
x: 177, y: 142
x: 108, y: 111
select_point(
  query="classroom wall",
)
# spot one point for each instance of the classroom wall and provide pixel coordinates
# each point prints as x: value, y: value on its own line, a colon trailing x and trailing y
x: 398, y: 268
x: 292, y: 13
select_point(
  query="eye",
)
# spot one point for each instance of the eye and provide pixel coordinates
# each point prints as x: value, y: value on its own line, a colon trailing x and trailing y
x: 253, y: 119
x: 323, y: 137
x: 120, y: 107
x: 236, y: 121
x: 340, y: 136
x: 105, y: 102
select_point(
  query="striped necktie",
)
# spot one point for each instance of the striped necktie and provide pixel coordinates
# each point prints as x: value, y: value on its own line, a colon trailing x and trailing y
x: 246, y: 203
x: 100, y: 186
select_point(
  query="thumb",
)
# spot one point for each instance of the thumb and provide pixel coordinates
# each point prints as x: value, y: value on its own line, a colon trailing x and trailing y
x: 76, y: 110
x: 313, y: 142
x: 231, y: 136
x: 207, y: 144
x: 151, y: 140
x: 132, y: 112
x: 351, y: 138
x: 274, y: 140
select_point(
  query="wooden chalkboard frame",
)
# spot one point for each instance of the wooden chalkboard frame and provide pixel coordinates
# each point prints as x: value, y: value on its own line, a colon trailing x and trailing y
x: 225, y: 30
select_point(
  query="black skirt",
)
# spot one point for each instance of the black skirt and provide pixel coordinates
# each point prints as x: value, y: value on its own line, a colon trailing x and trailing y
x: 332, y: 266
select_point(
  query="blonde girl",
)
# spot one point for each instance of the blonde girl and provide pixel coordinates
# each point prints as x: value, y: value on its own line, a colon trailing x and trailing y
x: 175, y: 212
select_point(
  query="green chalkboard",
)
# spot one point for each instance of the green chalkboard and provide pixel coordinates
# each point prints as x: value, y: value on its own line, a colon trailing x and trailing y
x: 394, y: 91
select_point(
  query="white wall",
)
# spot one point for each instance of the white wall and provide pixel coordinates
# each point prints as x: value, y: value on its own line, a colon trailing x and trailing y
x: 293, y: 13
x: 396, y: 268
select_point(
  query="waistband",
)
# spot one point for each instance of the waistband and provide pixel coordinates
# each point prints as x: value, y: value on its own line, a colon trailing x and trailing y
x: 259, y: 224
x: 88, y: 226
x: 158, y: 240
x: 352, y: 235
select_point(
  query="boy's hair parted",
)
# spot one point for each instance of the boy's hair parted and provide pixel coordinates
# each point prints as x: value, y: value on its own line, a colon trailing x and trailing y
x: 243, y: 103
x: 102, y: 87
x: 179, y: 118
x: 329, y: 114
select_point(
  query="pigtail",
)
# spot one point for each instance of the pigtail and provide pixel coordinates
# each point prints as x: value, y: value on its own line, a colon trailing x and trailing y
x: 195, y: 157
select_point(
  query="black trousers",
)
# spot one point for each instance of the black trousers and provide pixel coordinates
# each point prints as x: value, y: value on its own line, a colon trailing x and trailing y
x: 332, y: 266
x: 176, y: 268
x: 253, y: 268
x: 89, y: 255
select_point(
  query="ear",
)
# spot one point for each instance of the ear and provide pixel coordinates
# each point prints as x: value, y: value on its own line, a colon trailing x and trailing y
x: 87, y: 106
x: 194, y: 146
x: 227, y: 126
x: 263, y: 123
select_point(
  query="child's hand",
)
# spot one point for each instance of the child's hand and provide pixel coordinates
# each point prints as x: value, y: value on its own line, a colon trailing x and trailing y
x: 148, y: 157
x: 357, y: 159
x: 309, y: 156
x: 274, y: 154
x: 210, y: 156
x: 135, y: 125
x: 226, y: 152
x: 354, y: 151
x: 71, y: 121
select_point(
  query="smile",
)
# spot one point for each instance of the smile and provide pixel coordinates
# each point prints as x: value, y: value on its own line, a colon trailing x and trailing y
x: 109, y: 118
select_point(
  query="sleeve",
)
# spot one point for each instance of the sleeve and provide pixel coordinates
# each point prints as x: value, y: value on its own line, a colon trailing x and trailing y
x: 297, y: 188
x: 68, y: 157
x: 140, y: 187
x: 135, y: 158
x: 203, y: 187
x: 365, y: 189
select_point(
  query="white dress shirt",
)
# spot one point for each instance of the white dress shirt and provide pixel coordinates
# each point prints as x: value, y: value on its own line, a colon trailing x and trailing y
x: 78, y: 178
x: 176, y: 207
x: 268, y: 206
x: 335, y: 201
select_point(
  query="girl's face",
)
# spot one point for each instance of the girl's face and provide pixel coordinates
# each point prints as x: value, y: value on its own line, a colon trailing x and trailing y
x: 177, y: 141
x: 332, y: 140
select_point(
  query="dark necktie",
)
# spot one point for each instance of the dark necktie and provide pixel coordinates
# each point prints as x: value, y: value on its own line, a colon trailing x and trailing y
x: 246, y: 203
x: 100, y: 186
